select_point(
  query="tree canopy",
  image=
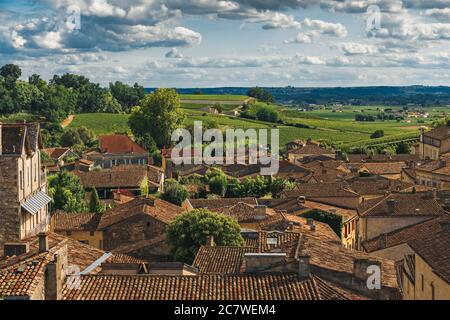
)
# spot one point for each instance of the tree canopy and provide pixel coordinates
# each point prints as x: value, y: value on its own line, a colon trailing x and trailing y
x: 192, y: 229
x: 158, y: 116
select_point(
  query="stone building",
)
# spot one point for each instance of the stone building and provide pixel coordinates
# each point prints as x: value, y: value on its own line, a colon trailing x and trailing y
x: 433, y: 144
x: 23, y: 202
x: 118, y: 150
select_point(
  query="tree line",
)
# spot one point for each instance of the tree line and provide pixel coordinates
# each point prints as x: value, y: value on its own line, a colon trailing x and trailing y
x: 63, y: 95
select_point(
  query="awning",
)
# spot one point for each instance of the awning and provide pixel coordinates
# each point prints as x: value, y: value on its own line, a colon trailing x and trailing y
x: 36, y: 202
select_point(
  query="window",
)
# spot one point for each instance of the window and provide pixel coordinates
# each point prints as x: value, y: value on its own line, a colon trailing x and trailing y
x: 433, y: 297
x: 422, y: 282
x: 84, y: 241
x: 91, y: 233
x: 100, y: 244
x: 35, y: 172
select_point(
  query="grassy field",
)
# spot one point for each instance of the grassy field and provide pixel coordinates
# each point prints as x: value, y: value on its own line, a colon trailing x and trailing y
x: 102, y: 123
x: 335, y: 128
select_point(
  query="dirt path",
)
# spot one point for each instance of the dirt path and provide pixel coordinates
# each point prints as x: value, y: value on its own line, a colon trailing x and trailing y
x: 67, y: 121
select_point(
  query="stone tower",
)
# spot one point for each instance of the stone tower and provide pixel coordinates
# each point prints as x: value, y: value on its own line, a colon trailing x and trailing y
x: 23, y: 198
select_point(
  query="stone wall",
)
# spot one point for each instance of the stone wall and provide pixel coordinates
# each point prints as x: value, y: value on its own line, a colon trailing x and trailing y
x: 137, y: 228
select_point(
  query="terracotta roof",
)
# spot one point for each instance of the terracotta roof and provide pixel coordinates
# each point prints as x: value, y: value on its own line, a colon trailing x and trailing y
x: 346, y: 214
x: 376, y: 185
x: 222, y: 260
x: 20, y: 275
x: 137, y: 245
x: 332, y: 257
x: 119, y: 144
x: 219, y: 203
x: 311, y: 149
x: 158, y: 209
x: 320, y: 190
x: 404, y: 204
x: 63, y: 221
x: 112, y: 178
x: 204, y: 287
x: 421, y: 230
x: 435, y: 250
x: 56, y: 153
x: 384, y: 167
x: 439, y: 133
x: 441, y: 166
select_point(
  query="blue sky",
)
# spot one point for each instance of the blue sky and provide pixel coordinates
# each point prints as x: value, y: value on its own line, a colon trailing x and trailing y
x: 208, y: 43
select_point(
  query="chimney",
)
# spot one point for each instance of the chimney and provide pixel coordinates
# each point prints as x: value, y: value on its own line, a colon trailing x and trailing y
x: 43, y: 242
x: 301, y: 199
x: 260, y: 212
x: 383, y: 240
x: 391, y: 206
x: 53, y: 279
x: 442, y: 163
x: 210, y: 241
x: 304, y: 268
x: 290, y: 226
x: 310, y: 221
x: 434, y: 193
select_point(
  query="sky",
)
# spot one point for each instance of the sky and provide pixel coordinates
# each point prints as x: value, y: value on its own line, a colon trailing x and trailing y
x: 215, y: 43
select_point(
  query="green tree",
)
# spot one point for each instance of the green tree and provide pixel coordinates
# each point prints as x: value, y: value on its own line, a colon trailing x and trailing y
x: 94, y: 204
x: 403, y: 148
x: 174, y: 193
x: 278, y: 185
x: 377, y: 134
x: 10, y: 72
x: 159, y: 115
x: 218, y: 185
x: 128, y: 96
x: 67, y: 192
x: 110, y: 104
x: 191, y: 230
x: 71, y: 137
x: 251, y: 188
x: 266, y: 113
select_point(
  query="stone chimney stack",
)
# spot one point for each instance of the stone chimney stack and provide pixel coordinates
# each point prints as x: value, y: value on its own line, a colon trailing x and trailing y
x: 391, y: 206
x: 304, y: 267
x: 43, y: 242
x: 210, y: 241
x: 301, y: 200
x: 53, y: 279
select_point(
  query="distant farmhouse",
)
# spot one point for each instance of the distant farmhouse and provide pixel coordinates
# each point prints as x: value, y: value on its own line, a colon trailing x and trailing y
x: 116, y: 150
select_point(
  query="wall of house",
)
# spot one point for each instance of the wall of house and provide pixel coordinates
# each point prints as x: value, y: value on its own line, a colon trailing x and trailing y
x: 348, y: 235
x: 137, y: 228
x: 428, y: 151
x: 396, y: 253
x: 108, y: 161
x: 433, y: 180
x: 371, y: 227
x: 430, y: 279
x: 94, y: 239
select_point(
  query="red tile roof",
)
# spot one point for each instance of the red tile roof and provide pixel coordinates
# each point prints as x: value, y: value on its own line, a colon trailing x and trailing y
x: 204, y: 287
x: 404, y: 204
x: 56, y: 153
x: 112, y: 178
x: 421, y: 230
x: 63, y: 221
x: 118, y: 144
x: 159, y: 209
